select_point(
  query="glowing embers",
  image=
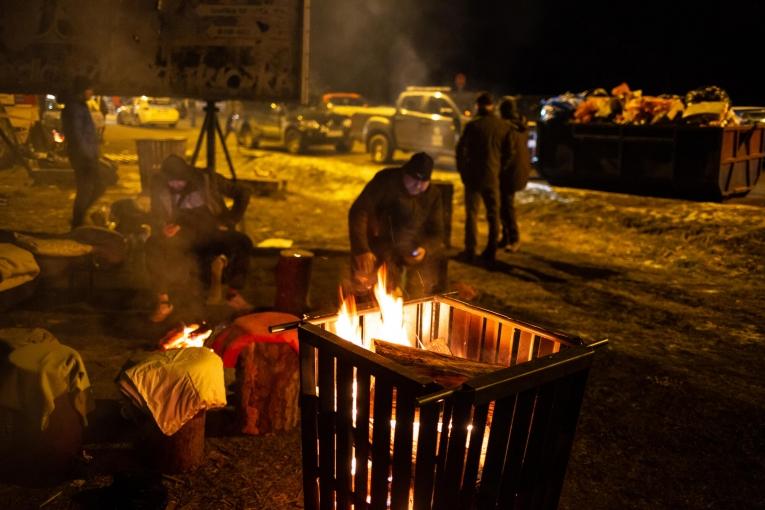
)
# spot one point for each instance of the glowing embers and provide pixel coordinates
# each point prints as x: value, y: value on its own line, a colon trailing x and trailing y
x: 390, y: 326
x: 184, y: 336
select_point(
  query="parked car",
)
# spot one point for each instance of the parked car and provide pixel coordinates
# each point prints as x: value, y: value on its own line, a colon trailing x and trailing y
x: 424, y: 119
x: 148, y: 111
x: 295, y: 127
x: 750, y: 114
x: 344, y: 103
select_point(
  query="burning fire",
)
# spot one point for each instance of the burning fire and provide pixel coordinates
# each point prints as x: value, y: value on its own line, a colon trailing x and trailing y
x: 391, y: 326
x: 192, y: 335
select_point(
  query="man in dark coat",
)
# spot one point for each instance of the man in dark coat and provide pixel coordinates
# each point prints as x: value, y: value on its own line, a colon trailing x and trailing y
x: 483, y: 149
x: 397, y: 220
x: 82, y: 147
x: 191, y: 225
x: 515, y: 175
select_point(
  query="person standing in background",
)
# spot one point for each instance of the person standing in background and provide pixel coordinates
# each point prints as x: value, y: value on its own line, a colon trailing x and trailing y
x: 515, y: 175
x: 82, y: 148
x: 483, y: 149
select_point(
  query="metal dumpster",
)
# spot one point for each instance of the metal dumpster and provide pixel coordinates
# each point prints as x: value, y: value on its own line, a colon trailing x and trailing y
x: 702, y: 163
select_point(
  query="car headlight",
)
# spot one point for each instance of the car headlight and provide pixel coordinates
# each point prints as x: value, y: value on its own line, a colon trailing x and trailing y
x: 310, y: 124
x: 347, y: 123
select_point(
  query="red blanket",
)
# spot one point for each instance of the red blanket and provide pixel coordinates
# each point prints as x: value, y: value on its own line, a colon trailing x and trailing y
x: 253, y: 328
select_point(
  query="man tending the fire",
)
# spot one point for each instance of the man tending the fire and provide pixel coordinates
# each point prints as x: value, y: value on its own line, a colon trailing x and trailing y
x: 397, y: 220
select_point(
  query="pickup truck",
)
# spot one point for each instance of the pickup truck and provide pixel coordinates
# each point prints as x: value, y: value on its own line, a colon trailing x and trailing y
x: 426, y: 119
x: 295, y: 127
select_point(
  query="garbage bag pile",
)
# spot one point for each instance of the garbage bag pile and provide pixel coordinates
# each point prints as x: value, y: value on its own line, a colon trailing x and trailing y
x: 706, y: 106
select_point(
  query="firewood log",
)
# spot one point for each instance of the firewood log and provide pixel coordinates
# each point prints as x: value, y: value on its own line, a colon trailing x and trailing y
x: 293, y: 281
x: 449, y: 371
x: 267, y: 388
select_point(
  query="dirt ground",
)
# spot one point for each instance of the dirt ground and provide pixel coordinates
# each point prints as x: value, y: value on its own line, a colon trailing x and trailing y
x: 675, y: 404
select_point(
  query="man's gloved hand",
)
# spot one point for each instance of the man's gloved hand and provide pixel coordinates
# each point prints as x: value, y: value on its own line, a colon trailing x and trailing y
x: 364, y: 269
x: 415, y: 256
x: 171, y: 229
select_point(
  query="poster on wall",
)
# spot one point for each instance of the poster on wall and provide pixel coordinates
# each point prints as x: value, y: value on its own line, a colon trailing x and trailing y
x: 210, y: 50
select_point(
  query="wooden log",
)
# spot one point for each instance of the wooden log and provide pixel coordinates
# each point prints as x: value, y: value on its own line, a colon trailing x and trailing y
x: 181, y: 452
x: 29, y: 451
x: 293, y: 280
x: 449, y: 371
x: 267, y: 388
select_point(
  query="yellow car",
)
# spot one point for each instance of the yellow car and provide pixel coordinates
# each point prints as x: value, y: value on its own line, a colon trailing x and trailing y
x: 148, y: 111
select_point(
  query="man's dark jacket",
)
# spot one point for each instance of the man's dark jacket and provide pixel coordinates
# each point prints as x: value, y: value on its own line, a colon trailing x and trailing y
x: 386, y: 219
x: 79, y: 130
x: 484, y: 147
x: 515, y: 175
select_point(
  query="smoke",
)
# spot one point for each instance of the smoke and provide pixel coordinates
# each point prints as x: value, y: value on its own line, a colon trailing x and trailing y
x: 367, y: 47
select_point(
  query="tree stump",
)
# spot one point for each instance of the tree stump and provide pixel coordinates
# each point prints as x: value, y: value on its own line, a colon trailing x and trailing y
x: 267, y: 388
x: 181, y: 452
x: 293, y: 280
x: 30, y: 451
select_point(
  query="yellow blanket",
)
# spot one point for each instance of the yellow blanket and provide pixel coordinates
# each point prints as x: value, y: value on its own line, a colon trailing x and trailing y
x: 38, y: 370
x: 173, y: 386
x: 17, y: 266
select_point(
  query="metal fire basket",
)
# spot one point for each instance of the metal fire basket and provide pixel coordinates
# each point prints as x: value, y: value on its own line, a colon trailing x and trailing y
x: 377, y: 435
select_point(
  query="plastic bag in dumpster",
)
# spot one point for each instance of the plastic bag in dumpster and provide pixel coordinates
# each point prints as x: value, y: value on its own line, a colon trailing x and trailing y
x: 597, y: 106
x: 707, y: 105
x: 560, y: 108
x: 640, y: 110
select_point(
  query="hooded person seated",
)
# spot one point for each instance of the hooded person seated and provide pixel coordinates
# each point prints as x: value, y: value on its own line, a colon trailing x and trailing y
x: 191, y: 225
x: 398, y: 220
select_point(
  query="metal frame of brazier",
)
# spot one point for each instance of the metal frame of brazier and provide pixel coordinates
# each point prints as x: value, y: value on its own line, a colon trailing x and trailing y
x: 376, y: 434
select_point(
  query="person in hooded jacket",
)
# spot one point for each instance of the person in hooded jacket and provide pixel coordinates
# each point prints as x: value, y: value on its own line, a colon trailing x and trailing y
x: 398, y: 220
x: 191, y: 225
x: 484, y: 148
x: 82, y: 148
x: 515, y: 175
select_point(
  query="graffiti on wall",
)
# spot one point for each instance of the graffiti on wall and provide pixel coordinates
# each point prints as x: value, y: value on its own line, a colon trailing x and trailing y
x: 212, y: 49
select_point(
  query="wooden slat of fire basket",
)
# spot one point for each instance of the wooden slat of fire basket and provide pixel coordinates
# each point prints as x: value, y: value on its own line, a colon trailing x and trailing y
x: 381, y: 443
x: 326, y: 421
x: 344, y: 434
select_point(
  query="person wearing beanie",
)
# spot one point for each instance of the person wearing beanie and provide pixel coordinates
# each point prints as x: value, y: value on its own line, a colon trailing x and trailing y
x: 398, y: 220
x: 192, y: 227
x: 82, y: 148
x: 483, y: 149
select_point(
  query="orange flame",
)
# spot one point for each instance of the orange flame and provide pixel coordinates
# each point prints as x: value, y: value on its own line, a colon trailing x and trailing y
x: 186, y: 336
x: 390, y: 326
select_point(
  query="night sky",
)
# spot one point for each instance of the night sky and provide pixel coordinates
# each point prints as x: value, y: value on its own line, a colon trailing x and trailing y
x: 541, y: 47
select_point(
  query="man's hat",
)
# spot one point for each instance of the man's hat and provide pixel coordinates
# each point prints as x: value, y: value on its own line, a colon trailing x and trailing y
x: 419, y: 166
x: 484, y: 99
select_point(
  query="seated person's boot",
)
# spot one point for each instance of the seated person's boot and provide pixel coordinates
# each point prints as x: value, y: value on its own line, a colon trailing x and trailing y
x: 163, y: 309
x: 215, y: 294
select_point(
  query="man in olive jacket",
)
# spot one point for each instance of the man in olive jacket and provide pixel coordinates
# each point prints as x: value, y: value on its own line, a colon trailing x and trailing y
x: 398, y: 220
x: 485, y: 146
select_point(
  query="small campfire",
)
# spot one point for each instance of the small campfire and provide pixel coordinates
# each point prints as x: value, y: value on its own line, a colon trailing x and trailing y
x: 192, y: 335
x: 435, y: 403
x: 390, y: 326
